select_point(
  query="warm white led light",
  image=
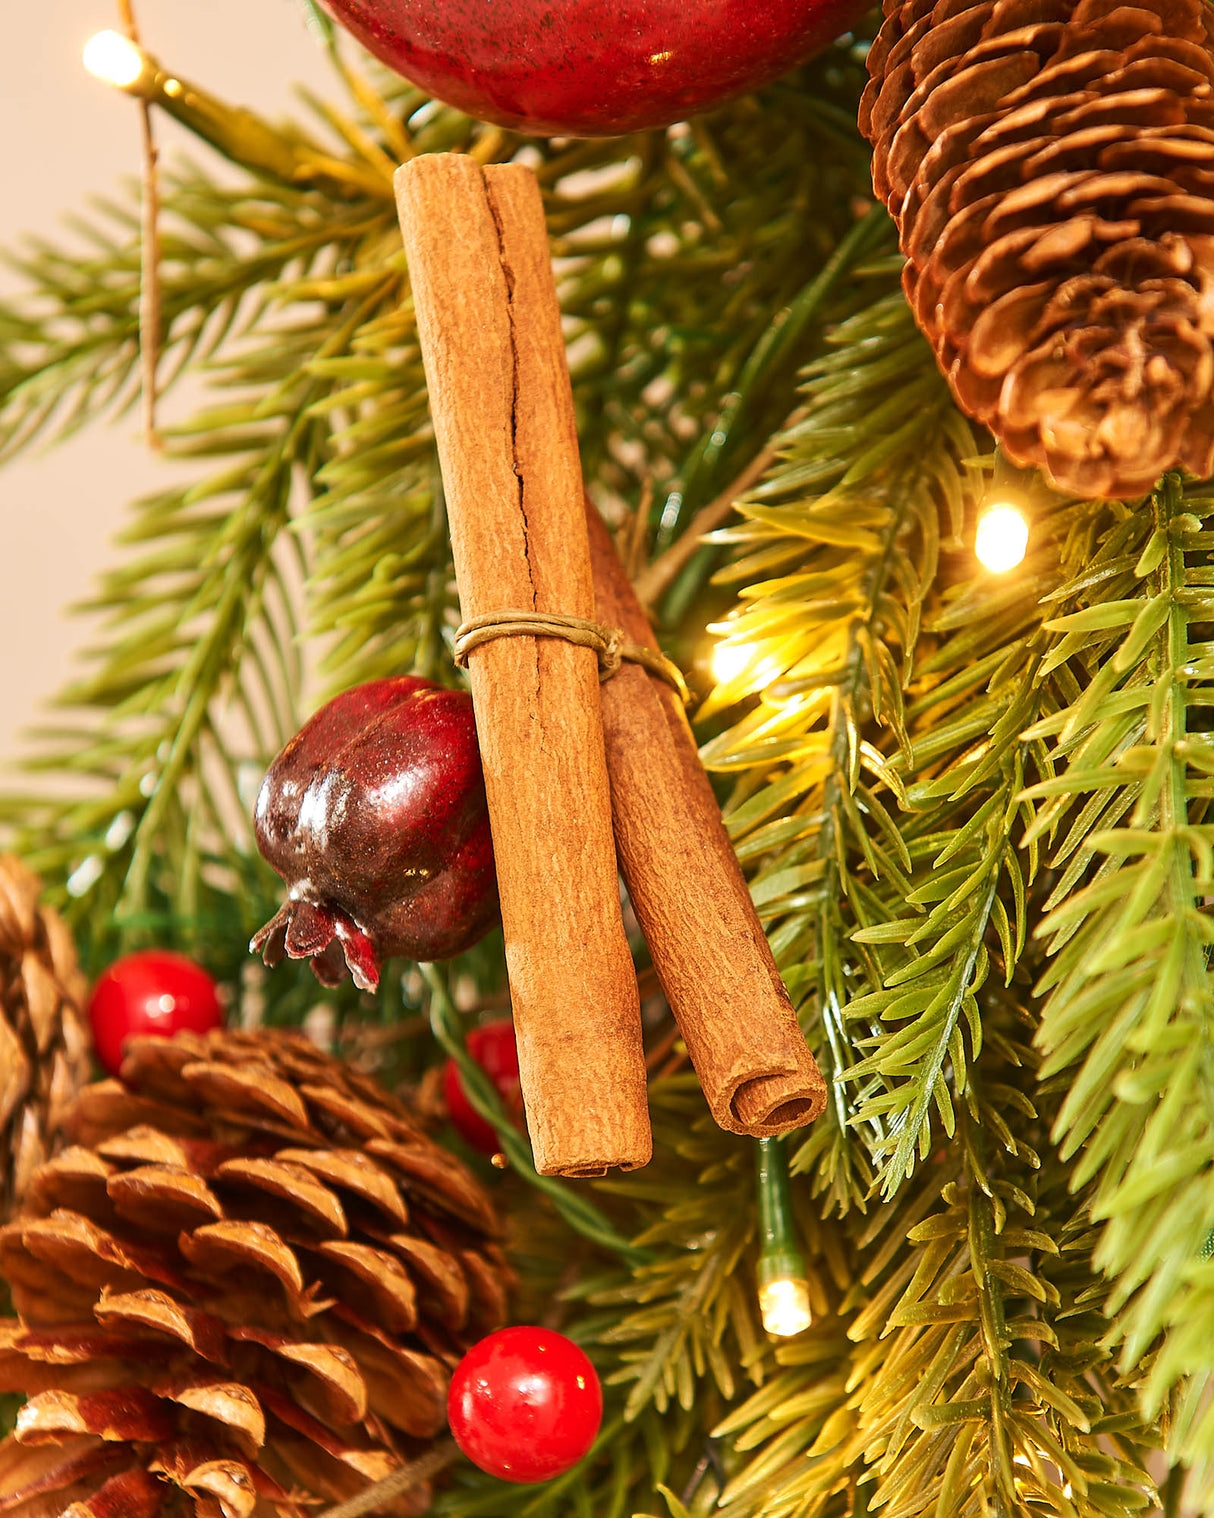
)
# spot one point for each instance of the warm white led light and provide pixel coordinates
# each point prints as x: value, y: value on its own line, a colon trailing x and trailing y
x: 1002, y: 538
x: 113, y: 58
x: 784, y: 1305
x: 729, y: 660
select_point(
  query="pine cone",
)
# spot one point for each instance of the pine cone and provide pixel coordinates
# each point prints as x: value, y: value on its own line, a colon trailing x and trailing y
x: 1050, y: 165
x: 44, y: 1042
x: 240, y: 1292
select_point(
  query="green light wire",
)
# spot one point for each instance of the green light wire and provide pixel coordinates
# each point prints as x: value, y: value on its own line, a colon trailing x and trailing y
x: 780, y: 1257
x: 249, y: 140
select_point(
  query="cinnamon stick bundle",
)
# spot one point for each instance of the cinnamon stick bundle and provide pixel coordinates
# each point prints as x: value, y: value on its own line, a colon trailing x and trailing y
x: 705, y: 938
x: 489, y: 326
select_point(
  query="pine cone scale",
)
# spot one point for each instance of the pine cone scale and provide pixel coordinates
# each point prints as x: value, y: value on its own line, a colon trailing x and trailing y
x: 121, y: 1414
x: 32, y: 1472
x: 228, y: 1482
x: 217, y: 1248
x: 44, y: 1042
x: 14, y: 1072
x: 130, y: 1494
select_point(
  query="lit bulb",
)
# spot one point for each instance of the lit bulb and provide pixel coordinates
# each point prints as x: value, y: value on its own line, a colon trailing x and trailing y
x: 729, y: 660
x: 113, y: 58
x: 1002, y: 538
x: 784, y: 1306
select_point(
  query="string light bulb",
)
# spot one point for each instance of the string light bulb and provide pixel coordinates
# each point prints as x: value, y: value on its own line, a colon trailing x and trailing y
x: 783, y: 1289
x: 1002, y: 537
x: 114, y: 59
x: 729, y: 660
x: 239, y: 134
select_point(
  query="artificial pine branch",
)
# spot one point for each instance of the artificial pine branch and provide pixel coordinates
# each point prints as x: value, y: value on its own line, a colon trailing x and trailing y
x: 1129, y: 1010
x: 969, y: 1378
x: 844, y: 539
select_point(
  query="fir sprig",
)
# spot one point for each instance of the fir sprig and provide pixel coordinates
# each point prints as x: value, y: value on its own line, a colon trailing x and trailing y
x: 973, y: 1382
x: 839, y: 550
x: 1129, y: 1014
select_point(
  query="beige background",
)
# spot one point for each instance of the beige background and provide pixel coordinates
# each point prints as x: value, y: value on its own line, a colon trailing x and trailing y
x: 66, y: 137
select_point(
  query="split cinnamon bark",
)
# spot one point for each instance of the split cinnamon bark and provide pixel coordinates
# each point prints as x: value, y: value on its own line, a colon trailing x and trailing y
x: 489, y: 326
x: 707, y: 943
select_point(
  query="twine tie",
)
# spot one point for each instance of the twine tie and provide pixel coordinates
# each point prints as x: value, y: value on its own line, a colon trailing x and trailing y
x: 609, y: 643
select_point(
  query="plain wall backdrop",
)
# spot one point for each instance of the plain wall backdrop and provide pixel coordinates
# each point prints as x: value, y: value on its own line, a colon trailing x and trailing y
x: 66, y: 136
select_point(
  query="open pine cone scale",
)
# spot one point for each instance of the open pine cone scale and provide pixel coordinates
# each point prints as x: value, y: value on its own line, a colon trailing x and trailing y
x: 242, y: 1293
x: 44, y: 1043
x: 1050, y: 164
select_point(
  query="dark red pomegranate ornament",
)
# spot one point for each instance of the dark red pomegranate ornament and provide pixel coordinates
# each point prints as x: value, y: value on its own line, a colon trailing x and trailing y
x: 592, y: 68
x: 374, y: 815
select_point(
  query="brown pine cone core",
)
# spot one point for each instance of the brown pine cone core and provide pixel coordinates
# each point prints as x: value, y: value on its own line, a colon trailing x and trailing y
x: 241, y: 1292
x: 1050, y: 165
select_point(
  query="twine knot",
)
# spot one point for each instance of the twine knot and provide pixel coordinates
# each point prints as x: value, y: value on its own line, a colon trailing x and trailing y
x: 610, y: 645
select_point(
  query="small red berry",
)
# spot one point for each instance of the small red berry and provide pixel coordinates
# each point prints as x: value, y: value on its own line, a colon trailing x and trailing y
x: 592, y: 68
x: 374, y: 814
x: 493, y: 1047
x: 152, y: 992
x: 525, y: 1404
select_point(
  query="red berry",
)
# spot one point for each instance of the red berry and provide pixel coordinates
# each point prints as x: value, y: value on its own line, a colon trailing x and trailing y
x: 374, y: 814
x: 525, y: 1404
x: 493, y: 1047
x: 153, y: 992
x: 592, y: 68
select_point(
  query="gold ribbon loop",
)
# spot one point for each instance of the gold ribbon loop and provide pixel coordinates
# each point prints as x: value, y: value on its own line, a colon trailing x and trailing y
x: 609, y: 643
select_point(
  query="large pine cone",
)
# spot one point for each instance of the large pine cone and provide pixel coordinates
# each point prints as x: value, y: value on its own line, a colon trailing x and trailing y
x: 1050, y: 165
x: 240, y: 1293
x: 44, y: 1042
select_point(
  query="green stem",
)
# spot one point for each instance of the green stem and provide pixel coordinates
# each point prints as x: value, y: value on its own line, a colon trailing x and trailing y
x: 581, y: 1215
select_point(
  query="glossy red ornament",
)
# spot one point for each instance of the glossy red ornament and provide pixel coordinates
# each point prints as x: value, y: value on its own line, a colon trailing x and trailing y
x: 592, y: 68
x: 374, y: 814
x: 525, y: 1404
x: 493, y: 1047
x: 154, y: 991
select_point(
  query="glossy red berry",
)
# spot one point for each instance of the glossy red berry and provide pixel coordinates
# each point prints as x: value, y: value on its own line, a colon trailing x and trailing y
x: 525, y: 1404
x: 592, y: 68
x: 493, y: 1047
x: 374, y: 814
x: 154, y: 991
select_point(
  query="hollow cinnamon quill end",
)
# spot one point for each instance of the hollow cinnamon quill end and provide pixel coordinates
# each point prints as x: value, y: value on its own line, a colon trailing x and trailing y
x: 775, y: 1104
x: 766, y: 1105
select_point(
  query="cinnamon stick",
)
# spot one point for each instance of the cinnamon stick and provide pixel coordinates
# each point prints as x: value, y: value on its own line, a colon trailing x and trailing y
x: 490, y: 333
x: 704, y: 935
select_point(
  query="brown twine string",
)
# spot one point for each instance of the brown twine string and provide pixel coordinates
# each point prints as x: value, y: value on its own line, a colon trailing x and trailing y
x: 609, y: 643
x: 149, y: 271
x: 394, y: 1485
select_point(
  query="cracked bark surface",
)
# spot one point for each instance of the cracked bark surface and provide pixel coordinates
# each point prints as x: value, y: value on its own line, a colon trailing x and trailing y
x: 490, y: 331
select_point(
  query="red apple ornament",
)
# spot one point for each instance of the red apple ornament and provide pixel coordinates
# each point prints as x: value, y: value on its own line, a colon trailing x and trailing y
x: 374, y: 814
x: 493, y: 1047
x: 525, y: 1404
x: 154, y: 991
x: 592, y: 68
